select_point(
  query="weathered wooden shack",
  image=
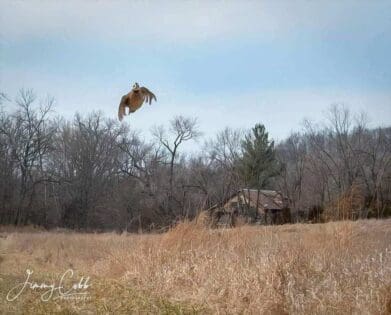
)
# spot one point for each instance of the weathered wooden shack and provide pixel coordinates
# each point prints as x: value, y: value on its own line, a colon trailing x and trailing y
x: 253, y: 206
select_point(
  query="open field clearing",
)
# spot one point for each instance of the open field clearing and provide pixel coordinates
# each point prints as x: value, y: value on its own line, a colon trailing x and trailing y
x: 333, y: 268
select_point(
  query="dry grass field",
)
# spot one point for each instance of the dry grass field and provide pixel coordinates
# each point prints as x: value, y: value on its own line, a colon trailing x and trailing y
x: 333, y: 268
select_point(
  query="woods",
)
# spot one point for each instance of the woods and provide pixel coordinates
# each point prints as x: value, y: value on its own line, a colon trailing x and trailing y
x: 94, y: 173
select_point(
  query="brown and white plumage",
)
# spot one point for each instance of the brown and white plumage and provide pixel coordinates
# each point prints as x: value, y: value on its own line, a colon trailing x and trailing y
x: 134, y: 99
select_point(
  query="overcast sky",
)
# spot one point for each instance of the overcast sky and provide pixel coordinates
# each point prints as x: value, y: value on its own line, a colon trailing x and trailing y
x: 230, y: 63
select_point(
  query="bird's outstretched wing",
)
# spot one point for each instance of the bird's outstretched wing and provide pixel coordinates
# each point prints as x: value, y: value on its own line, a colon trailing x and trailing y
x: 122, y: 106
x: 148, y: 95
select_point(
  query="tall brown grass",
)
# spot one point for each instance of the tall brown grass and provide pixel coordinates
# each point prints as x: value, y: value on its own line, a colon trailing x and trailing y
x: 333, y: 268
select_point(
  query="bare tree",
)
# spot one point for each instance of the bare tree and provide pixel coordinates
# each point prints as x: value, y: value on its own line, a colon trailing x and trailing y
x: 28, y: 135
x: 292, y: 154
x: 181, y: 129
x: 86, y: 165
x: 223, y: 153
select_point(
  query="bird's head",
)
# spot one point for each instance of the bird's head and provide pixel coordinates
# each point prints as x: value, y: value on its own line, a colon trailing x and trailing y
x: 136, y: 87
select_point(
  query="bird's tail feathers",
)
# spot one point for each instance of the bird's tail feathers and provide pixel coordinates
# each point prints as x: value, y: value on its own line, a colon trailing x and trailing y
x: 121, y: 114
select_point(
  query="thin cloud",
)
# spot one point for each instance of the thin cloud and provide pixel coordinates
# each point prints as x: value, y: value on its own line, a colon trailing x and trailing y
x: 184, y: 21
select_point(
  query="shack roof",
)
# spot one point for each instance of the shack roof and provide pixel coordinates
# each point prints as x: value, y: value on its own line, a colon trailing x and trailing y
x: 268, y: 199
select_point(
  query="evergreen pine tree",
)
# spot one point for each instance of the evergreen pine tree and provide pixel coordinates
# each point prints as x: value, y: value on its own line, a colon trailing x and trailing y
x: 258, y: 163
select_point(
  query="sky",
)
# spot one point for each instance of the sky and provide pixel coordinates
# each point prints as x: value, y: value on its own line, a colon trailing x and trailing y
x: 228, y: 63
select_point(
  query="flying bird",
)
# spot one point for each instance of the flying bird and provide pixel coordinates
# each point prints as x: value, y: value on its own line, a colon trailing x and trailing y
x: 134, y: 99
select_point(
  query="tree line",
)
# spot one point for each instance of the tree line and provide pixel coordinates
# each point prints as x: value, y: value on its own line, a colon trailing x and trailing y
x: 94, y: 173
